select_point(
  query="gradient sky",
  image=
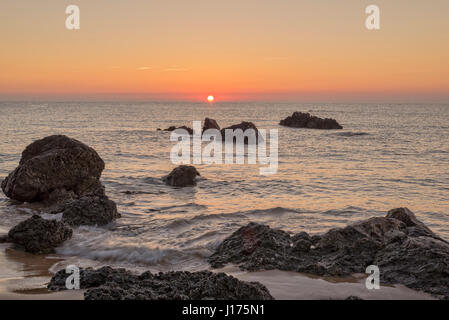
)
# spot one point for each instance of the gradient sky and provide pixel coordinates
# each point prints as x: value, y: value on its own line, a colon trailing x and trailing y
x: 298, y: 50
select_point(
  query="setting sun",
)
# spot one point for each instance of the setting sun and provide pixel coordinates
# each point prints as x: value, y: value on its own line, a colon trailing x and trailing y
x: 210, y: 98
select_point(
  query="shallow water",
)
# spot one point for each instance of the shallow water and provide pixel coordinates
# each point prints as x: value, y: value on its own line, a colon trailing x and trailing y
x: 388, y: 155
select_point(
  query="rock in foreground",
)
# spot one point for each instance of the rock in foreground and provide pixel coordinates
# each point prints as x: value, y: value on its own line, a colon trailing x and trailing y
x: 306, y: 120
x: 405, y: 250
x: 119, y: 284
x: 55, y: 164
x: 38, y: 235
x: 182, y: 176
x: 92, y: 210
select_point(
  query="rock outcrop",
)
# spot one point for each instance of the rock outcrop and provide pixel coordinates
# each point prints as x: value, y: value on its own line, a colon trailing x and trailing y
x: 119, y: 284
x: 306, y: 120
x: 243, y: 126
x: 63, y: 175
x: 37, y: 235
x: 54, y: 165
x: 405, y: 250
x: 182, y: 176
x: 210, y: 124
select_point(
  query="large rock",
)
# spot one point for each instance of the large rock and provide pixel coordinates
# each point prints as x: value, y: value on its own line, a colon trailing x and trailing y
x: 210, y: 124
x: 406, y: 251
x: 38, y: 235
x: 55, y: 164
x: 90, y: 210
x: 182, y: 176
x: 306, y: 120
x: 119, y: 284
x: 242, y: 126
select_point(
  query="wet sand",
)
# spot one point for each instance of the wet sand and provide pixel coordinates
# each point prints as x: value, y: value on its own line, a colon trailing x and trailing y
x: 24, y: 276
x: 286, y: 285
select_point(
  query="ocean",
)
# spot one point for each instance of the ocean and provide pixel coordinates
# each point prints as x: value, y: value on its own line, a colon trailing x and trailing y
x: 387, y: 156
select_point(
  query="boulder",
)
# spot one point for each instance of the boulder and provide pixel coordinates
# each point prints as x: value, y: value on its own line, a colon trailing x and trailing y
x: 406, y: 251
x: 243, y: 126
x: 56, y: 164
x: 38, y: 235
x: 210, y: 124
x: 306, y: 120
x: 90, y: 210
x: 119, y: 284
x: 182, y: 176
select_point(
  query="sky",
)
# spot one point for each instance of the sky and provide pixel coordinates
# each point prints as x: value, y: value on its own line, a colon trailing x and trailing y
x: 236, y: 50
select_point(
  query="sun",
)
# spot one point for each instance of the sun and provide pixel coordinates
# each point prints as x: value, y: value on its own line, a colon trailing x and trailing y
x: 210, y: 98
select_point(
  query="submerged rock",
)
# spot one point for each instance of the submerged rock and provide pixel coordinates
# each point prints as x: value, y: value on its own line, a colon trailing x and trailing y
x: 38, y: 235
x: 306, y: 120
x: 182, y: 176
x: 119, y: 284
x: 90, y: 210
x: 405, y: 250
x: 242, y: 126
x: 56, y: 164
x: 210, y: 124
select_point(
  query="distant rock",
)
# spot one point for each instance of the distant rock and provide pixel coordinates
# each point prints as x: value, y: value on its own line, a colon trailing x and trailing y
x: 243, y: 126
x: 173, y: 128
x: 182, y: 176
x: 119, y: 284
x: 405, y: 250
x: 210, y: 124
x: 53, y: 167
x: 306, y: 120
x: 38, y: 235
x: 93, y: 210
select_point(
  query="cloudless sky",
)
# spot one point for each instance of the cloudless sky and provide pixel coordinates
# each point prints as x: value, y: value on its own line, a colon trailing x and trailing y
x: 234, y: 49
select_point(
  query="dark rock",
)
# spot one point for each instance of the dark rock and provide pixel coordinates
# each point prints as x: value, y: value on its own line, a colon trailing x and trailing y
x: 38, y: 235
x: 405, y: 250
x: 173, y: 128
x: 55, y: 164
x: 119, y: 284
x: 243, y: 126
x: 90, y: 210
x: 305, y: 120
x: 182, y: 176
x: 4, y: 239
x: 210, y: 124
x: 353, y: 298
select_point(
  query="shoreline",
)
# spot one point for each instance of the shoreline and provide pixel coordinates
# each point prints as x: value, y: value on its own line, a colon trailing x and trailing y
x: 24, y: 277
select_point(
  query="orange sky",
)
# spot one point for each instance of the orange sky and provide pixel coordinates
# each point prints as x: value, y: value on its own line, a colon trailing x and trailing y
x: 235, y: 50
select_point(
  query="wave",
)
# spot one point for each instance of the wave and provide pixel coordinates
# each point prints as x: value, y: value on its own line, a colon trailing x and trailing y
x: 135, y: 254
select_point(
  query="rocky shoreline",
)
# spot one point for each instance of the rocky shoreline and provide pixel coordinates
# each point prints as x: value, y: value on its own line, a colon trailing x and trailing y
x: 63, y: 175
x: 405, y: 250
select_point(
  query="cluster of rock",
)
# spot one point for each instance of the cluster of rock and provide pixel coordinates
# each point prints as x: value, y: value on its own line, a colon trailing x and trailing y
x: 406, y: 251
x: 306, y: 120
x: 107, y: 283
x: 63, y: 175
x: 212, y: 124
